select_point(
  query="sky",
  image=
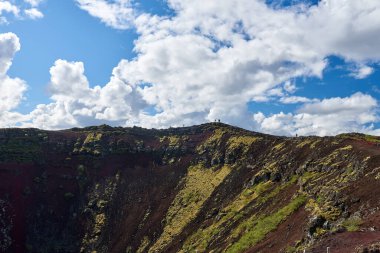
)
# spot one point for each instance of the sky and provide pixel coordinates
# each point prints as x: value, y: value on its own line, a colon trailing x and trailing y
x: 283, y: 67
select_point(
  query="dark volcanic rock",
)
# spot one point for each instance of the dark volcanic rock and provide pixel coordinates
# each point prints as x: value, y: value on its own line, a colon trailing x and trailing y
x: 205, y: 188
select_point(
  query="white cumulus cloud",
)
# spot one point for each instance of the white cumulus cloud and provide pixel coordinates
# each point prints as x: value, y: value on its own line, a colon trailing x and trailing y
x: 19, y: 9
x: 77, y: 104
x: 362, y: 71
x: 118, y: 14
x: 34, y: 13
x: 34, y: 3
x: 6, y: 7
x: 211, y: 66
x: 296, y: 100
x: 330, y: 116
x: 11, y: 89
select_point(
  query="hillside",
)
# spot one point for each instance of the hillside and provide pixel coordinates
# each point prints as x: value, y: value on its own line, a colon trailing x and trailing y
x: 207, y: 188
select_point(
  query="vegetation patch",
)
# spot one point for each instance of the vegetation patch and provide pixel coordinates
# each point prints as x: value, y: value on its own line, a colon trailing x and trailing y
x: 100, y: 221
x: 240, y: 207
x: 263, y: 225
x: 304, y: 143
x: 353, y: 223
x: 242, y: 141
x: 100, y: 197
x: 213, y: 140
x: 172, y: 140
x: 312, y: 142
x: 323, y: 208
x: 143, y: 245
x: 91, y: 144
x: 202, y: 238
x: 333, y: 158
x: 309, y: 176
x: 198, y: 186
x: 371, y: 138
x: 279, y: 146
x: 20, y: 149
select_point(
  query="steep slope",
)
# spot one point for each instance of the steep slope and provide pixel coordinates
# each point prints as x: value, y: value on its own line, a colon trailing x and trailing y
x: 207, y: 188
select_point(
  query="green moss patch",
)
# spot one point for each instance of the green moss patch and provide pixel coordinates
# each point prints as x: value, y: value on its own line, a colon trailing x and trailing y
x: 353, y: 223
x: 198, y: 186
x: 258, y: 228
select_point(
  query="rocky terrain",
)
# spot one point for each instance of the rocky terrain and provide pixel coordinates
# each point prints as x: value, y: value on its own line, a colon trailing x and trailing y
x: 207, y: 188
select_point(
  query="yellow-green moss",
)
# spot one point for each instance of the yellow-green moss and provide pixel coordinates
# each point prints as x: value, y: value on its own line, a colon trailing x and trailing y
x: 92, y: 137
x: 173, y: 140
x: 257, y: 228
x: 98, y: 198
x: 371, y: 138
x: 100, y: 221
x: 215, y: 138
x: 374, y: 173
x: 201, y: 238
x: 314, y: 144
x: 319, y: 232
x: 366, y: 159
x: 279, y: 146
x: 143, y: 245
x: 353, y: 223
x: 245, y: 141
x: 262, y: 199
x: 308, y: 176
x: 249, y: 198
x: 277, y: 190
x: 324, y: 209
x: 269, y: 167
x: 291, y: 249
x: 198, y: 186
x: 101, y: 204
x: 308, y: 141
x: 90, y: 144
x: 332, y: 157
x: 348, y: 147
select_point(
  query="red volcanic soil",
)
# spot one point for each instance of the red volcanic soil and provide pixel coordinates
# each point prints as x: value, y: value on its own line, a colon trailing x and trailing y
x: 292, y: 230
x: 346, y: 242
x: 14, y: 180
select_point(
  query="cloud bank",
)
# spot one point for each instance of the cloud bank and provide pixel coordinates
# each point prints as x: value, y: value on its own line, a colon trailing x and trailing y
x: 190, y: 70
x: 326, y: 117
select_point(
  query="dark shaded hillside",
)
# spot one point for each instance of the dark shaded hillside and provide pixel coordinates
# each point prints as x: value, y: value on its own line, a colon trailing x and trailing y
x: 207, y: 188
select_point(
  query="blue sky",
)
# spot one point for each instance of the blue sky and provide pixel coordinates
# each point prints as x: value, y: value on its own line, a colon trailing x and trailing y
x: 65, y: 32
x: 155, y: 63
x: 336, y: 82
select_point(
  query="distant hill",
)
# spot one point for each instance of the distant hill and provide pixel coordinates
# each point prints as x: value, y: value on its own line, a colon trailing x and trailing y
x: 207, y: 188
